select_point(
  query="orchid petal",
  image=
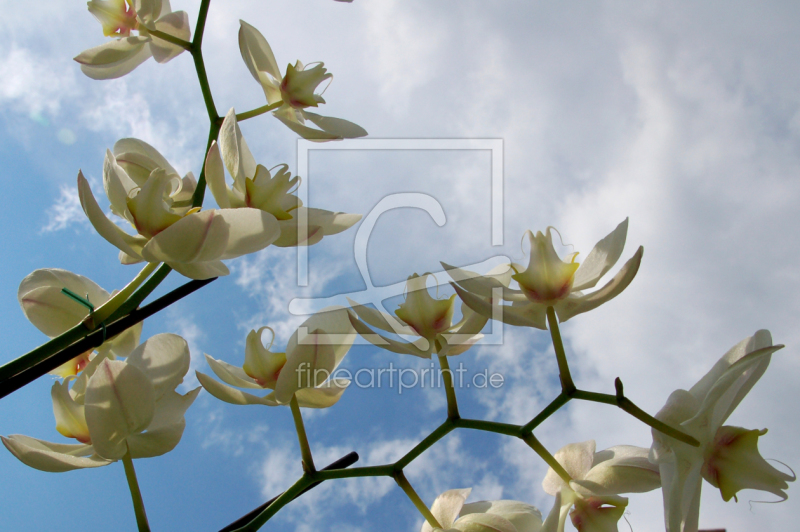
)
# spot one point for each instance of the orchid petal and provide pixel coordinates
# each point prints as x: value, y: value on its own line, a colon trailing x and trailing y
x: 235, y: 152
x: 256, y: 52
x: 761, y: 339
x: 215, y: 176
x: 120, y: 401
x: 403, y: 348
x: 233, y: 375
x: 138, y: 159
x: 200, y: 270
x: 483, y: 523
x: 603, y: 256
x: 576, y: 458
x: 213, y: 235
x: 342, y: 129
x: 118, y: 187
x: 114, y: 59
x: 308, y: 365
x: 165, y: 430
x: 323, y: 396
x: 223, y: 392
x: 164, y: 359
x: 306, y: 132
x: 380, y: 320
x: 175, y: 24
x: 572, y: 306
x: 131, y: 245
x: 48, y: 308
x: 51, y: 457
x: 526, y: 314
x: 446, y: 507
x: 484, y: 285
x: 334, y: 320
x: 620, y: 469
x: 524, y: 517
x: 70, y: 418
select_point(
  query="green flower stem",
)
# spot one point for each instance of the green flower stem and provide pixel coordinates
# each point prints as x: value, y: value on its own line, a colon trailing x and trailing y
x: 199, y: 64
x: 489, y: 426
x: 567, y: 386
x: 627, y: 405
x: 141, y: 294
x: 452, y: 404
x: 400, y: 478
x: 200, y: 27
x: 340, y: 464
x: 259, y: 111
x: 105, y: 310
x: 443, y: 429
x: 305, y: 450
x: 387, y: 470
x: 171, y: 38
x: 285, y: 498
x: 548, y: 411
x: 136, y: 494
x: 534, y: 444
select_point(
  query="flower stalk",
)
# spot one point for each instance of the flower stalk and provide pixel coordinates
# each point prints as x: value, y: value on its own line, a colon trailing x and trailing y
x: 401, y: 480
x: 567, y: 386
x: 452, y: 404
x: 136, y: 494
x: 305, y: 450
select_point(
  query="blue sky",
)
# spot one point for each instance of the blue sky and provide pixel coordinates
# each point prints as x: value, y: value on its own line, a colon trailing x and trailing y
x: 684, y: 117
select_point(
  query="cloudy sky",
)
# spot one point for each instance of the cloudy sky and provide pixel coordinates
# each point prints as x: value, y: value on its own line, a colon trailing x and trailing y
x: 682, y: 116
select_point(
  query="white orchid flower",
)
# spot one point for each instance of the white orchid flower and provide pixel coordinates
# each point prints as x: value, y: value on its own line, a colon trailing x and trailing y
x: 484, y: 516
x: 421, y: 315
x: 727, y: 457
x: 313, y: 353
x: 146, y: 191
x: 119, y: 18
x: 549, y: 281
x: 52, y: 312
x: 255, y: 186
x: 296, y: 90
x: 597, y: 481
x: 115, y: 407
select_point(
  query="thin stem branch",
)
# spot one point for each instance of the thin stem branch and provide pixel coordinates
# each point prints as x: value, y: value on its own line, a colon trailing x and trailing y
x: 386, y: 470
x: 141, y: 294
x: 548, y: 411
x: 339, y: 465
x: 534, y: 444
x: 627, y: 405
x: 443, y: 429
x: 105, y: 310
x: 489, y: 426
x: 171, y: 38
x: 567, y: 386
x: 401, y: 480
x: 305, y: 450
x: 447, y: 374
x: 285, y: 498
x: 258, y: 111
x: 136, y: 494
x: 200, y: 27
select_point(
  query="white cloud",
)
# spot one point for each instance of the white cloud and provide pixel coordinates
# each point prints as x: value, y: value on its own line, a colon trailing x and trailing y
x: 33, y: 83
x: 65, y: 212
